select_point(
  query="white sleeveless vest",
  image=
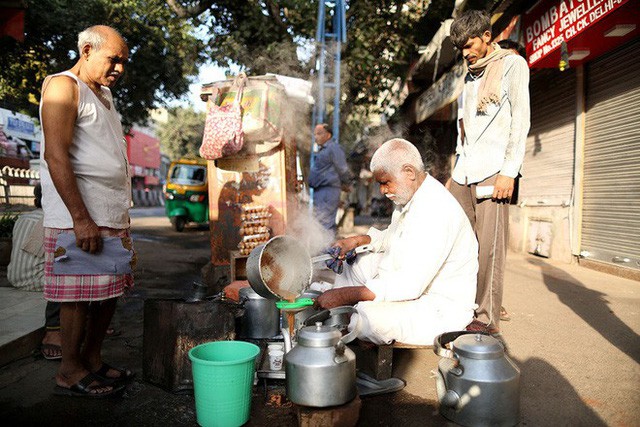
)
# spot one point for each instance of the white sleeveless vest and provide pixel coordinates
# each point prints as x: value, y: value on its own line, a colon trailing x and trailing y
x: 98, y: 157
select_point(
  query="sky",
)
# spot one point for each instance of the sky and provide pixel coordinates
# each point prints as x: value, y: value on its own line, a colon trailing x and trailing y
x: 207, y: 73
x: 211, y: 73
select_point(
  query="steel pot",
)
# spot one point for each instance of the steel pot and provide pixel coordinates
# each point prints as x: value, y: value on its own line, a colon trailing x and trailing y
x: 261, y: 318
x: 279, y: 269
x: 477, y: 383
x: 321, y: 369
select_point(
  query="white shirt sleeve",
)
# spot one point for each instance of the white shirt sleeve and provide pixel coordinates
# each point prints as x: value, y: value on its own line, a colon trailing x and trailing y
x: 377, y: 238
x: 459, y: 141
x: 425, y: 241
x: 518, y: 95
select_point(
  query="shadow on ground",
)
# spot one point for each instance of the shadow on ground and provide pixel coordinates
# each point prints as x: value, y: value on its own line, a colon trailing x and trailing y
x: 549, y: 395
x: 592, y: 307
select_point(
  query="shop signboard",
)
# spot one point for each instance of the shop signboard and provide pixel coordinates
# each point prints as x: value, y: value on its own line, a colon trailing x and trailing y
x: 22, y: 126
x: 551, y: 22
x: 441, y: 93
x: 19, y: 125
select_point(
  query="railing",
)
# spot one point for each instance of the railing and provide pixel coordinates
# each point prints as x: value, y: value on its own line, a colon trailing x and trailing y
x: 16, y: 188
x: 16, y: 185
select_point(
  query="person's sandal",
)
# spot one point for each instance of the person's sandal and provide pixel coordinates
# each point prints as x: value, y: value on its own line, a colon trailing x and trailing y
x: 83, y: 388
x: 51, y: 351
x: 125, y: 375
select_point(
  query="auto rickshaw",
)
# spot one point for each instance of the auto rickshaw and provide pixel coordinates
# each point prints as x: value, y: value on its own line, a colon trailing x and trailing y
x: 186, y: 197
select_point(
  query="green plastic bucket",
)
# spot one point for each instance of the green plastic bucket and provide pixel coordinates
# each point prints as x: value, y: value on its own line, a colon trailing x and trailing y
x: 222, y: 381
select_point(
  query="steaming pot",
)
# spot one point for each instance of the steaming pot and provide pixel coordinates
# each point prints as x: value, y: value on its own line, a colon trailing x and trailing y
x: 279, y: 269
x: 477, y: 384
x: 321, y: 369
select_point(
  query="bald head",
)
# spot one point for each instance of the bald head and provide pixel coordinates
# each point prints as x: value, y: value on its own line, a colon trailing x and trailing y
x: 103, y: 56
x: 322, y: 133
x: 97, y: 36
x: 394, y: 154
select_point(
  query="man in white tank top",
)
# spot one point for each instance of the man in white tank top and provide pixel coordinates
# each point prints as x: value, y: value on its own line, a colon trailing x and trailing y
x: 86, y: 191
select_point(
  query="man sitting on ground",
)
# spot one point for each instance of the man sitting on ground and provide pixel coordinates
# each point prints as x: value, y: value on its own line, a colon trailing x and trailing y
x: 420, y: 280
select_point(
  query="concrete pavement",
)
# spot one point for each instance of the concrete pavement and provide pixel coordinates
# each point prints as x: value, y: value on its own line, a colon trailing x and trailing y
x: 574, y: 334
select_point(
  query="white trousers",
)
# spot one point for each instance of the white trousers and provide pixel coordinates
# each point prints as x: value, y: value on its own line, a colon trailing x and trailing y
x: 415, y: 322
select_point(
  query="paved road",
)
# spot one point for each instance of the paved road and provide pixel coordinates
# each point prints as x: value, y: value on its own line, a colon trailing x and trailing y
x: 147, y: 212
x: 574, y: 335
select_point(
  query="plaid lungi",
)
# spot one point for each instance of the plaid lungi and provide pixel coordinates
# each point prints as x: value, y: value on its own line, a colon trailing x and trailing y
x: 68, y: 288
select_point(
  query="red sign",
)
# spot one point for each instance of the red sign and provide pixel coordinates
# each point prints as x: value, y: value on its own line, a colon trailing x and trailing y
x: 551, y: 22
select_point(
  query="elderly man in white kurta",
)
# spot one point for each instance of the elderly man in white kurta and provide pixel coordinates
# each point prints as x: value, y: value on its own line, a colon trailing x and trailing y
x: 420, y: 280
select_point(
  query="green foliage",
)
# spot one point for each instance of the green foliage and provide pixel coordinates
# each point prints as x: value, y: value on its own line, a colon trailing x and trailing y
x: 163, y: 52
x: 259, y: 35
x: 7, y: 221
x: 264, y: 35
x: 181, y: 136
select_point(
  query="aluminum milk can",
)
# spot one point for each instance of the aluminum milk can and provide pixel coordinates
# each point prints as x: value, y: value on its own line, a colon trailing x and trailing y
x: 321, y: 369
x: 477, y: 384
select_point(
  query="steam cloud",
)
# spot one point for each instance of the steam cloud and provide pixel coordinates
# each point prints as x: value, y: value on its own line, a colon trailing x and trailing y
x: 308, y: 231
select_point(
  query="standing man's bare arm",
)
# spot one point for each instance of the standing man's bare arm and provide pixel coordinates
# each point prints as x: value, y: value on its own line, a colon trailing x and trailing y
x: 59, y: 114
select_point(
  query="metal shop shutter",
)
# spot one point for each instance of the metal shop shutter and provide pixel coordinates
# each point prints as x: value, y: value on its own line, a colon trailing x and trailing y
x: 611, y: 204
x: 547, y: 171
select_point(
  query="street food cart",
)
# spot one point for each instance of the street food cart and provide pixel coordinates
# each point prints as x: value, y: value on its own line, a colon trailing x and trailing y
x: 253, y: 193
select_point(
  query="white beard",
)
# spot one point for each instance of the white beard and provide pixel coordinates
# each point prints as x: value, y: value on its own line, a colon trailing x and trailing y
x: 397, y: 200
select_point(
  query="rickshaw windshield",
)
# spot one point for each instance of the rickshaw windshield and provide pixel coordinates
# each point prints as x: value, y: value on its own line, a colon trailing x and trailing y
x: 188, y: 175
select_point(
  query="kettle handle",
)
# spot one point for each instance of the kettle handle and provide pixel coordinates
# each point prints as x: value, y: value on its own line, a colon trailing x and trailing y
x: 321, y: 316
x: 443, y: 339
x: 356, y: 329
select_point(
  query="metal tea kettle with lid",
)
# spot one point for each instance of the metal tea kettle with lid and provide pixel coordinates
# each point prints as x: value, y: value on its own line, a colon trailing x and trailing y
x: 477, y: 383
x: 321, y: 369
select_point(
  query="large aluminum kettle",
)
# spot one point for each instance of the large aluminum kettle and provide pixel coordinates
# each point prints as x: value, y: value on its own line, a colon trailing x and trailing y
x: 321, y: 369
x: 477, y: 383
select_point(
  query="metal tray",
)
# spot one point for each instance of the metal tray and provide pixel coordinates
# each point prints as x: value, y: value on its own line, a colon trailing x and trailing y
x: 264, y: 370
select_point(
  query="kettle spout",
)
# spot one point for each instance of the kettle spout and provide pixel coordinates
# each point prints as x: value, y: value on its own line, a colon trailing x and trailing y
x: 287, y: 340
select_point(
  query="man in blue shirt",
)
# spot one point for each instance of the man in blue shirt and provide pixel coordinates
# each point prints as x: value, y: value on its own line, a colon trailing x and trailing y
x: 328, y: 175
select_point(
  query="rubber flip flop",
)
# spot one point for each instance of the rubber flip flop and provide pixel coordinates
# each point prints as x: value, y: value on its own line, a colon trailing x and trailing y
x: 125, y: 374
x: 83, y: 388
x: 368, y: 386
x: 51, y: 348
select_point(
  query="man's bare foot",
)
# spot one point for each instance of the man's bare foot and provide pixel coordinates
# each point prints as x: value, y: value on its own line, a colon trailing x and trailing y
x: 51, y: 345
x: 504, y: 315
x: 52, y: 337
x: 81, y: 381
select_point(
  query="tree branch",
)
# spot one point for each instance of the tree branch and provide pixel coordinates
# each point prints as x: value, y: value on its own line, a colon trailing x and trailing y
x: 274, y: 12
x: 191, y: 11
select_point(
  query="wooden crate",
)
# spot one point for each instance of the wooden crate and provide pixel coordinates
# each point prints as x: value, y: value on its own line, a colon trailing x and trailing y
x: 171, y: 329
x: 238, y: 265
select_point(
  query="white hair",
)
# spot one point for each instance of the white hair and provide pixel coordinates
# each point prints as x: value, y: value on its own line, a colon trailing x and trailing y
x: 93, y: 36
x: 394, y: 154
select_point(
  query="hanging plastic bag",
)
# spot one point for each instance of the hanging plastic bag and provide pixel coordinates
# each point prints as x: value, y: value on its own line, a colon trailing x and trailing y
x: 263, y: 101
x: 223, y: 135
